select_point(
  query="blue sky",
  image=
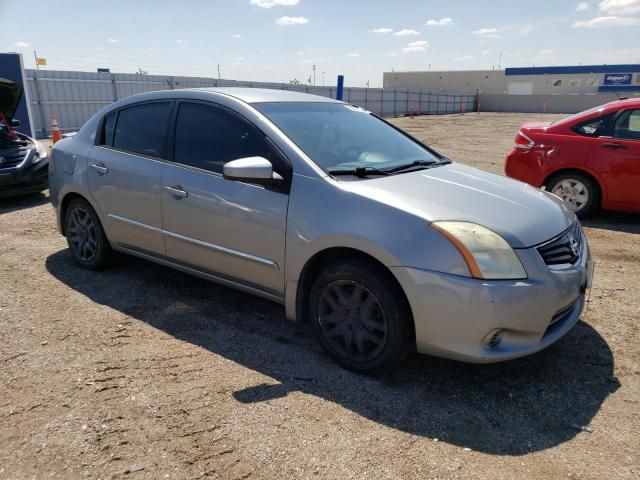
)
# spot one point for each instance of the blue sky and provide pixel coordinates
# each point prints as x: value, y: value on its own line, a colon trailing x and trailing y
x: 278, y: 40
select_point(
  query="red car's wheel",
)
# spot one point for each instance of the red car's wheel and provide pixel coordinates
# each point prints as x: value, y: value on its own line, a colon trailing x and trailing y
x: 579, y: 191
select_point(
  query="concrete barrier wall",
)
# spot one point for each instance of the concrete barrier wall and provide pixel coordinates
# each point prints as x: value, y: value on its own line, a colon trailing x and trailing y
x: 542, y: 103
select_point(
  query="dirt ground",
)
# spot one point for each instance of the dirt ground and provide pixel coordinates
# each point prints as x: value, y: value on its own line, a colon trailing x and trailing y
x: 143, y: 372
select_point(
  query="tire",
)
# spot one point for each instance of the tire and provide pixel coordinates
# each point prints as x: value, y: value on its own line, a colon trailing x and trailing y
x: 361, y: 316
x: 581, y: 187
x: 87, y: 242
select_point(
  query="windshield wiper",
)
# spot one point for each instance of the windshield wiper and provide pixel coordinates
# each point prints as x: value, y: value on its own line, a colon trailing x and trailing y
x: 415, y: 163
x: 359, y: 172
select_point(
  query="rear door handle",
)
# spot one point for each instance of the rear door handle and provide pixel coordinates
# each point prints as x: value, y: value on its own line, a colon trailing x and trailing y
x: 177, y: 191
x: 614, y: 145
x: 100, y: 168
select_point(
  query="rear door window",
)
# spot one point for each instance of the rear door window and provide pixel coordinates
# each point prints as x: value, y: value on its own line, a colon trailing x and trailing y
x: 109, y: 129
x: 594, y: 127
x: 141, y: 129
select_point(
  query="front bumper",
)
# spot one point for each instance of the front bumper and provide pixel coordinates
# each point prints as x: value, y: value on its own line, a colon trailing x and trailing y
x: 454, y: 316
x: 24, y: 179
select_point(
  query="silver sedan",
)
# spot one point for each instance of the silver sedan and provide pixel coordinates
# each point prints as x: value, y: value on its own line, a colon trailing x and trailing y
x: 381, y: 243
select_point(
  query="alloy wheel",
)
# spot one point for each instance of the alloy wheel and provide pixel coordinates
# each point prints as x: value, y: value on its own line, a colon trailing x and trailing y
x: 352, y: 320
x: 83, y: 236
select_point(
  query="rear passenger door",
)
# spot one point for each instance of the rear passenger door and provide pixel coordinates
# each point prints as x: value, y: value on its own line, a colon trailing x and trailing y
x: 233, y: 229
x: 619, y: 153
x: 125, y: 170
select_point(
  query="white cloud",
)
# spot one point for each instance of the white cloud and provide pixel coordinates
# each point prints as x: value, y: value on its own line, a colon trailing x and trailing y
x: 179, y: 40
x: 353, y: 54
x: 624, y: 55
x: 273, y: 3
x: 606, y: 22
x: 464, y: 58
x: 620, y: 7
x: 113, y: 40
x: 284, y: 21
x: 405, y: 32
x: 486, y: 33
x: 299, y: 53
x: 381, y: 30
x: 21, y: 44
x: 236, y: 35
x: 443, y: 22
x: 413, y: 47
x: 582, y: 7
x: 485, y: 53
x: 546, y: 52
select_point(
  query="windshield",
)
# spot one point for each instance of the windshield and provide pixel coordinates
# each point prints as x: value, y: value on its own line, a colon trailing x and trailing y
x: 343, y: 137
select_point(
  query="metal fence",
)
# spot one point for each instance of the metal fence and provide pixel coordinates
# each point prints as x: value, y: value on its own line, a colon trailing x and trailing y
x: 75, y: 96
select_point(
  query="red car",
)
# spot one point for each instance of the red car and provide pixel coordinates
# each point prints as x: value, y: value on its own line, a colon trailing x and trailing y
x: 590, y: 159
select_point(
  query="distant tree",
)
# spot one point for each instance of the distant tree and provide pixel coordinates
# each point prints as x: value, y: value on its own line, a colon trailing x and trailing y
x: 295, y: 81
x: 142, y: 72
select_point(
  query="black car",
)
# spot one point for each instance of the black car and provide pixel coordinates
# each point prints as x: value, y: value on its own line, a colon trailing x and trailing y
x: 24, y: 162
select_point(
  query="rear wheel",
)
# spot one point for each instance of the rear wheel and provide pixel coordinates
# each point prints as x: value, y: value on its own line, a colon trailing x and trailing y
x: 579, y: 192
x: 360, y: 317
x: 86, y: 239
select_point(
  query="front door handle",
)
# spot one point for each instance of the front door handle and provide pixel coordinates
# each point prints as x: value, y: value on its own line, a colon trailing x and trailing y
x: 177, y: 191
x: 100, y: 168
x: 614, y: 145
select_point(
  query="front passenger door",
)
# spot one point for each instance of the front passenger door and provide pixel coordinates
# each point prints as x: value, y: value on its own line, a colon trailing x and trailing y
x: 233, y: 229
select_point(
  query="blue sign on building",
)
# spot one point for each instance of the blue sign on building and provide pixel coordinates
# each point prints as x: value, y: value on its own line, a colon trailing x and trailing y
x: 617, y: 79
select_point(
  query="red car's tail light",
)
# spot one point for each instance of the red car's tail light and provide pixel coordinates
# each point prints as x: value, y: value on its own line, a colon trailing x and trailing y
x: 523, y: 142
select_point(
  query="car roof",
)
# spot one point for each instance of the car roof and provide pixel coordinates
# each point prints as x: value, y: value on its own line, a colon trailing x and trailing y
x: 626, y: 102
x: 260, y: 95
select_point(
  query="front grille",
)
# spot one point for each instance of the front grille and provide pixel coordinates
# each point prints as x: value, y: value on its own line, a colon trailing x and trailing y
x: 565, y: 248
x: 13, y: 159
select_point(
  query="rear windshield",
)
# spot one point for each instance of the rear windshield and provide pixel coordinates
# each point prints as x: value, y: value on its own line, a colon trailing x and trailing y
x: 338, y: 136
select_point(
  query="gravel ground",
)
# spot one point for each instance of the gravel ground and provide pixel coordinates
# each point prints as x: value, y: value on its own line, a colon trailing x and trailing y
x: 142, y: 372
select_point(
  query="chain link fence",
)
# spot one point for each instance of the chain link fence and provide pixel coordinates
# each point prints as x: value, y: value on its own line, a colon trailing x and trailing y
x: 75, y: 96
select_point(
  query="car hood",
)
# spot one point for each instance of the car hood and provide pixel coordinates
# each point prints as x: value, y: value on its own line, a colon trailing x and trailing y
x: 524, y: 216
x: 10, y: 94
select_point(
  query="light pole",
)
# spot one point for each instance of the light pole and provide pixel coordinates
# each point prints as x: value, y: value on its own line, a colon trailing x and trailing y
x: 314, y: 75
x: 323, y: 79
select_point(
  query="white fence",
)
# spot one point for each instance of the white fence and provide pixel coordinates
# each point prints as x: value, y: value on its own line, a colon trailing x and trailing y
x: 75, y: 96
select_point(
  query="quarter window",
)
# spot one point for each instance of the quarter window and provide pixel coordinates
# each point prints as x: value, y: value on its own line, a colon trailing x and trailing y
x: 208, y: 137
x: 628, y: 125
x: 109, y: 129
x: 141, y: 129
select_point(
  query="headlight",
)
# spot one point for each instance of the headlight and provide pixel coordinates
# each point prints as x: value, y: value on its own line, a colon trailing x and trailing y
x: 41, y: 151
x: 487, y: 254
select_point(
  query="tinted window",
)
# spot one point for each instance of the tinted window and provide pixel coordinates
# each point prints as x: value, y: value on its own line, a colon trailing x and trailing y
x: 593, y: 127
x: 342, y: 137
x: 628, y: 125
x: 208, y: 137
x: 141, y: 129
x: 109, y: 129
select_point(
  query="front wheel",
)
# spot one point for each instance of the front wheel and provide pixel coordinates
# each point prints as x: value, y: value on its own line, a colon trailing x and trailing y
x: 360, y: 317
x: 86, y: 239
x: 579, y: 192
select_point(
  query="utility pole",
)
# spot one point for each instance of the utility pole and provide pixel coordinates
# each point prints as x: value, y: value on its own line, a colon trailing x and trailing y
x: 314, y: 75
x: 323, y: 79
x: 500, y: 61
x: 36, y: 58
x: 218, y: 71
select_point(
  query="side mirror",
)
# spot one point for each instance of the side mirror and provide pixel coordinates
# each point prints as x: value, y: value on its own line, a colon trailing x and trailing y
x: 15, y: 123
x: 250, y: 170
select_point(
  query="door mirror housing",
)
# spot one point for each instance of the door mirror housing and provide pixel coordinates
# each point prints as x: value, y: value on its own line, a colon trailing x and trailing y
x: 15, y: 123
x: 250, y: 170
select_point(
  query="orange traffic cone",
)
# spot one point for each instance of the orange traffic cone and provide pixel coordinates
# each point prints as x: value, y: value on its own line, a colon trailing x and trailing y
x: 55, y: 130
